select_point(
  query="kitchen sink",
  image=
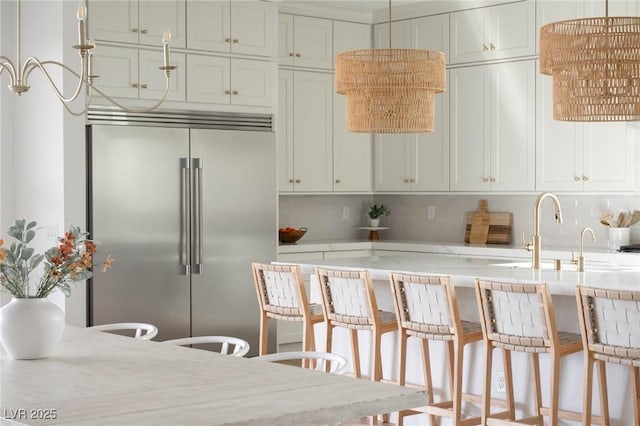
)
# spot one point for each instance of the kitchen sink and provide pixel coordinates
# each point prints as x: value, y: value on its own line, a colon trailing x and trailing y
x: 594, y: 267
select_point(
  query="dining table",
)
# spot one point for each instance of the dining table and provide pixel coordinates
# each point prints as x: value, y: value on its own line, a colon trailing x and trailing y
x: 97, y: 378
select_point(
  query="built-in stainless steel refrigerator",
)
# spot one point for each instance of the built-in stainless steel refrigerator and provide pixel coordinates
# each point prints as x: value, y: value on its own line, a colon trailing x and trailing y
x: 184, y: 211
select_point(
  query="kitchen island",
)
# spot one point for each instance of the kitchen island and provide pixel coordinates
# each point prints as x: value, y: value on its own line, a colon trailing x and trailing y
x: 463, y: 272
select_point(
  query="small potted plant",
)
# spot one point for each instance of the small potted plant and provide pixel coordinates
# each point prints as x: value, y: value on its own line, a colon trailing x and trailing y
x: 375, y: 211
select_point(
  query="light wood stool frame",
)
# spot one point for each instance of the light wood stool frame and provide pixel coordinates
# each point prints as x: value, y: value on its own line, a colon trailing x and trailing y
x: 427, y: 309
x: 282, y: 296
x: 541, y: 337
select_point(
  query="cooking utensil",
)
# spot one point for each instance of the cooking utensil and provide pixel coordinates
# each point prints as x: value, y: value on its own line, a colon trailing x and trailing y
x: 635, y: 218
x: 500, y: 224
x: 627, y: 220
x: 608, y: 216
x: 604, y: 222
x: 620, y: 219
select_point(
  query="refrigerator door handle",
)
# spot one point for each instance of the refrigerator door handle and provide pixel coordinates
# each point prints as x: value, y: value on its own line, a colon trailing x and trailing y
x: 185, y: 225
x: 197, y: 216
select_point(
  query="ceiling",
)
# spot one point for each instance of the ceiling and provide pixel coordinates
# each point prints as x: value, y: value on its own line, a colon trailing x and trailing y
x: 358, y: 5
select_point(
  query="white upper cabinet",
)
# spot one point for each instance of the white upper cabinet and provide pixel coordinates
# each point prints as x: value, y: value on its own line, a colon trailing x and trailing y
x: 305, y: 154
x: 241, y: 27
x: 573, y: 156
x: 140, y: 22
x: 420, y: 161
x: 493, y: 127
x: 305, y: 42
x: 496, y: 32
x: 133, y: 73
x: 230, y: 81
x: 352, y: 152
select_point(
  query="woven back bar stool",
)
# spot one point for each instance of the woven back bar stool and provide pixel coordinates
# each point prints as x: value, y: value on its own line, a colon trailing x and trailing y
x: 610, y: 325
x: 520, y: 317
x: 282, y: 296
x: 427, y: 309
x: 348, y: 301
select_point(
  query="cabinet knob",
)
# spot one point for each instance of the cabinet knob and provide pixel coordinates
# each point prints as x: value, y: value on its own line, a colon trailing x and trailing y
x: 227, y: 40
x: 290, y: 180
x: 484, y: 179
x: 298, y: 180
x: 235, y: 40
x: 484, y: 47
x: 405, y: 180
x: 337, y: 180
x: 134, y: 30
x: 143, y: 31
x: 234, y: 92
x: 577, y: 178
x: 585, y: 178
x: 136, y: 85
x: 492, y: 179
x: 493, y: 47
x: 298, y: 55
x: 412, y: 180
x: 144, y: 86
x: 291, y: 54
x: 227, y: 92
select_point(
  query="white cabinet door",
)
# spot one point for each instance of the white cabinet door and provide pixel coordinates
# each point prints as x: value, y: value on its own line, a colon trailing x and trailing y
x: 400, y: 35
x: 208, y: 78
x: 152, y: 79
x: 352, y: 160
x: 113, y: 20
x: 117, y: 68
x: 252, y: 82
x: 513, y: 126
x: 285, y: 39
x: 393, y: 153
x: 209, y: 25
x: 610, y: 156
x: 284, y: 131
x: 548, y: 11
x: 470, y: 128
x: 135, y: 21
x: 312, y: 134
x: 155, y: 17
x: 431, y: 33
x: 313, y: 42
x: 495, y: 32
x: 252, y: 28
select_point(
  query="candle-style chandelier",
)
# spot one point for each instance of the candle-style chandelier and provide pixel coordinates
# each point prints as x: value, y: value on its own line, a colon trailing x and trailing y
x: 19, y: 74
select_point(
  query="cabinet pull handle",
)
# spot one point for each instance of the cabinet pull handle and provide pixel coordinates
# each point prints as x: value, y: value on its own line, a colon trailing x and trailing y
x: 492, y: 179
x: 493, y: 47
x: 144, y: 31
x: 577, y: 178
x: 134, y: 30
x: 235, y: 92
x: 484, y: 179
x: 412, y: 180
x: 290, y: 180
x: 298, y: 180
x: 227, y: 40
x: 227, y: 92
x: 337, y: 180
x: 136, y: 85
x: 236, y: 41
x: 484, y: 47
x: 144, y: 85
x: 585, y: 178
x: 298, y: 55
x: 291, y: 54
x: 405, y: 180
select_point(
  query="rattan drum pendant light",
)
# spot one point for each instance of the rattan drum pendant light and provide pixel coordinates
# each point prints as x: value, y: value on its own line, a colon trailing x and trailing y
x: 595, y: 64
x: 390, y: 90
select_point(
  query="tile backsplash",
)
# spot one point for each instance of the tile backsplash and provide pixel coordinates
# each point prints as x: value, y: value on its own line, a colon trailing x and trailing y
x: 338, y: 217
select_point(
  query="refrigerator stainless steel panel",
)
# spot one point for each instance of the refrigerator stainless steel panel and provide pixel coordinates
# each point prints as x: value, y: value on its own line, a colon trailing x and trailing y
x: 135, y: 217
x: 238, y: 227
x: 184, y: 212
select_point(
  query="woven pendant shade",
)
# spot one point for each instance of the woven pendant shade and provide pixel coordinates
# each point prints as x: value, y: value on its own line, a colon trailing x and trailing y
x: 595, y: 64
x: 390, y: 90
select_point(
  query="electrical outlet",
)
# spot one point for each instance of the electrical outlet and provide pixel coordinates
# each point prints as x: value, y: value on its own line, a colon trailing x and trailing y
x: 500, y: 383
x: 345, y: 213
x: 431, y: 212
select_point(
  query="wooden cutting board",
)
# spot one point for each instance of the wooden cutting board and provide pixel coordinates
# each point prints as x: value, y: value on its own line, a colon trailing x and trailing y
x: 499, y: 229
x: 479, y: 223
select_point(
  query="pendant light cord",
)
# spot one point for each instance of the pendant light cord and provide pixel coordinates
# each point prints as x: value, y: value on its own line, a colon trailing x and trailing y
x: 389, y: 24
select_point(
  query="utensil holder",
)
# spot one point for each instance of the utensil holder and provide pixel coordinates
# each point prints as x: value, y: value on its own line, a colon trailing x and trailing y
x: 618, y: 237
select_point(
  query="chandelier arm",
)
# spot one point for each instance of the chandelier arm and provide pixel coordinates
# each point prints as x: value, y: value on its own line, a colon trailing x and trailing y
x: 33, y: 63
x: 135, y: 110
x: 6, y: 64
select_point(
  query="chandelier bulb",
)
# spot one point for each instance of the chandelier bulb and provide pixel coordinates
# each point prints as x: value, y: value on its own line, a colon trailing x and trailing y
x: 166, y: 36
x: 82, y: 12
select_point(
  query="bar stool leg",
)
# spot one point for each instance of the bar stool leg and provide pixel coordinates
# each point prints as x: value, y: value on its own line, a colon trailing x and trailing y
x: 635, y: 382
x: 264, y: 333
x: 508, y: 384
x: 402, y: 367
x: 604, y: 395
x: 486, y: 394
x: 587, y: 393
x: 535, y: 378
x: 456, y: 389
x: 450, y: 351
x: 555, y: 385
x: 428, y: 379
x: 328, y: 343
x: 355, y: 353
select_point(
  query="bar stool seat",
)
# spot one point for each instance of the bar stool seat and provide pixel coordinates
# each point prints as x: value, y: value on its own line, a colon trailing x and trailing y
x: 427, y: 309
x: 520, y: 317
x: 282, y: 296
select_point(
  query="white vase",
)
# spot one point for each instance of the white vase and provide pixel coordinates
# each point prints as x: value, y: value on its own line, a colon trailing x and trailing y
x: 374, y: 223
x: 30, y: 328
